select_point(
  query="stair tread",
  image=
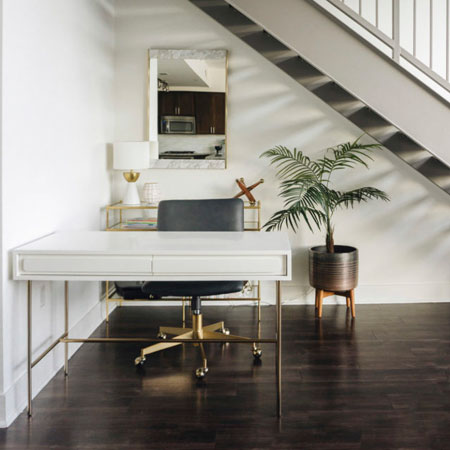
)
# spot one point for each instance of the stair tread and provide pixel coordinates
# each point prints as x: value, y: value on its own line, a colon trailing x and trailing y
x: 339, y: 99
x: 229, y: 17
x: 303, y: 72
x: 268, y: 46
x: 374, y: 124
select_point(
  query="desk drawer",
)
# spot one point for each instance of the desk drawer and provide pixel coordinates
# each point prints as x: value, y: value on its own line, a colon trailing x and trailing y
x: 220, y: 265
x: 85, y: 265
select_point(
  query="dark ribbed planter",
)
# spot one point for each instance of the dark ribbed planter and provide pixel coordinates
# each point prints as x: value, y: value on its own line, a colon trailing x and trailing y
x: 334, y: 272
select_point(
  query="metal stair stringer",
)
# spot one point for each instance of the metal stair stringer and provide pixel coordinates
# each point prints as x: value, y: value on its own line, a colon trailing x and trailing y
x: 324, y: 87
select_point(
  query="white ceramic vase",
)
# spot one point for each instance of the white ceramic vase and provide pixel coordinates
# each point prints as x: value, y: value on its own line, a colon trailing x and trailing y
x: 151, y: 193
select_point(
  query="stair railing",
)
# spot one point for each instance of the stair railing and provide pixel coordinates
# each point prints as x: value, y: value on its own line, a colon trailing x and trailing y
x: 413, y: 33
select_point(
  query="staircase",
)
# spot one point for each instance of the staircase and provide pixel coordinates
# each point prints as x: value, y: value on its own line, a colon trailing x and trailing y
x: 328, y: 90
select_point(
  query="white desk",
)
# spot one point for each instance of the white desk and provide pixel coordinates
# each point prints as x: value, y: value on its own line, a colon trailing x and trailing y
x: 159, y: 256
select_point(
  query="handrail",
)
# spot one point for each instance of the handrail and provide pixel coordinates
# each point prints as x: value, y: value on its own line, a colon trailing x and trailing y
x: 399, y: 54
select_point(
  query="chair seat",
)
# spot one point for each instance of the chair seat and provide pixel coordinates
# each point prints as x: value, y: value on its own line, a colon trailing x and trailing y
x: 130, y: 290
x: 191, y: 288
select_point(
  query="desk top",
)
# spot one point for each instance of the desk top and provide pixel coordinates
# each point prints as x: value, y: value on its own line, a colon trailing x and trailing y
x: 159, y: 243
x: 104, y: 255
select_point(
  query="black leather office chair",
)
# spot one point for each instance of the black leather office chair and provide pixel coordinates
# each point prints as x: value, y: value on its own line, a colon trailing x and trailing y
x: 202, y: 216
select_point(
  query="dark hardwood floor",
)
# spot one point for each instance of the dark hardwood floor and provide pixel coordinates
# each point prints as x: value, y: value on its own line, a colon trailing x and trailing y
x: 379, y: 382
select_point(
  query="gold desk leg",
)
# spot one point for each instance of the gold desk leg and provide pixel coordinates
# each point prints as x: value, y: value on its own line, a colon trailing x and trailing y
x: 259, y: 301
x: 107, y: 301
x: 278, y: 352
x: 204, y: 360
x: 29, y: 344
x: 184, y: 312
x: 66, y: 327
x: 257, y: 352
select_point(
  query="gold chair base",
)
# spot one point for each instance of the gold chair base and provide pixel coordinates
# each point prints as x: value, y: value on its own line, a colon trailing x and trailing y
x: 198, y: 331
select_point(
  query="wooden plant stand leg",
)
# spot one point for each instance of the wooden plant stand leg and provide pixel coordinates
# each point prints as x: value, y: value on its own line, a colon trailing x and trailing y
x: 352, y: 302
x: 349, y: 296
x: 320, y: 296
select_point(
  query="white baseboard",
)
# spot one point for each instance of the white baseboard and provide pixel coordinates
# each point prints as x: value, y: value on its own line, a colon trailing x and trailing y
x: 382, y: 293
x: 302, y: 294
x: 14, y: 400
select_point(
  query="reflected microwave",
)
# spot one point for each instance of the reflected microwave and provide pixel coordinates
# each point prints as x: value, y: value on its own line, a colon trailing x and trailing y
x: 177, y: 125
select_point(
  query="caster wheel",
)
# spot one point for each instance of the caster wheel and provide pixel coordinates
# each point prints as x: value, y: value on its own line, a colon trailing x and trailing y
x: 226, y: 331
x: 139, y: 361
x: 201, y: 372
x: 257, y: 353
x: 161, y: 336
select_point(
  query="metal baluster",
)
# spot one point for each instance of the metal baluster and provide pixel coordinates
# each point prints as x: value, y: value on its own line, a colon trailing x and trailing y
x: 431, y: 34
x: 396, y: 29
x: 360, y: 7
x: 377, y: 13
x: 447, y: 27
x: 415, y: 28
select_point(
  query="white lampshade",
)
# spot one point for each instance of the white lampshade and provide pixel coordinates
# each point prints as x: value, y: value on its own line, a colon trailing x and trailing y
x: 131, y: 155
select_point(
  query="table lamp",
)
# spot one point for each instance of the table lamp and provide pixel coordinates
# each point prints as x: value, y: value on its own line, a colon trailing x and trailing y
x: 131, y: 156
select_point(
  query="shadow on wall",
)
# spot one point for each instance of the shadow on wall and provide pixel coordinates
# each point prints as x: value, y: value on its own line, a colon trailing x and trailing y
x: 300, y: 271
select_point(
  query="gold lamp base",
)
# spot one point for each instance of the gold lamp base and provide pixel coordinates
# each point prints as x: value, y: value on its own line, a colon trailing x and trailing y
x: 131, y: 176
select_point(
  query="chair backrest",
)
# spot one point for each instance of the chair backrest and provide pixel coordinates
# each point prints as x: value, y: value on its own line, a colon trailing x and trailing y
x: 224, y: 214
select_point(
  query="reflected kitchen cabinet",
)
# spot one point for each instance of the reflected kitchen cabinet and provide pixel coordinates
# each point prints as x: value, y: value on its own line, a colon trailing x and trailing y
x: 176, y: 103
x: 210, y: 112
x: 218, y: 100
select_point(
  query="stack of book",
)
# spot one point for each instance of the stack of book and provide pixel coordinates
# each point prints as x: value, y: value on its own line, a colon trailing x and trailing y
x: 140, y: 222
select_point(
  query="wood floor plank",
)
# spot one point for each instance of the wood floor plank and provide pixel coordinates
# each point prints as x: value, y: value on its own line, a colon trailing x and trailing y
x: 381, y: 381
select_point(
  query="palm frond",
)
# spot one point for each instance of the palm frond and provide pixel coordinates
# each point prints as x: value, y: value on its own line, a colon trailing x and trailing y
x: 347, y: 155
x: 306, y: 192
x: 331, y: 196
x: 291, y: 218
x: 364, y: 194
x: 292, y: 163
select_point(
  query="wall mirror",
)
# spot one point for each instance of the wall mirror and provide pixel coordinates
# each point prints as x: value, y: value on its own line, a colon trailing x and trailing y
x: 187, y: 97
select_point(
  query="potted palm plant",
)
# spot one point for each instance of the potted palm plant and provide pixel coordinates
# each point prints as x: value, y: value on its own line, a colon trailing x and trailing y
x: 308, y: 195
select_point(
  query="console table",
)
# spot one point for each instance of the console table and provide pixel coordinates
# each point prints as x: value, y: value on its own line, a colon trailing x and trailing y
x: 177, y: 256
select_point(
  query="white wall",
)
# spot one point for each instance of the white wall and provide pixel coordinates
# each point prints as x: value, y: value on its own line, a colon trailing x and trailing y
x: 404, y: 245
x: 58, y: 60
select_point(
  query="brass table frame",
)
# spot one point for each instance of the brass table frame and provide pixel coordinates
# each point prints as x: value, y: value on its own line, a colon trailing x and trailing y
x: 65, y: 339
x: 119, y: 226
